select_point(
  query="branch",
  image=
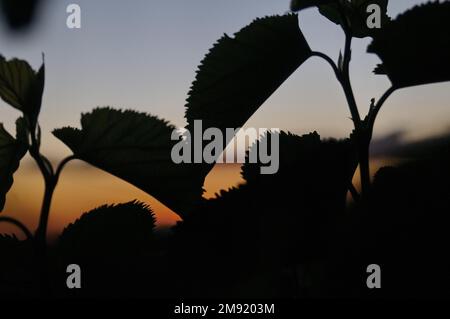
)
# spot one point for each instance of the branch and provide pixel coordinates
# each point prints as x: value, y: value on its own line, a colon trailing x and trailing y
x: 343, y: 78
x: 329, y: 60
x: 354, y: 192
x: 346, y: 84
x: 373, y: 112
x: 47, y: 164
x: 36, y: 155
x: 47, y: 172
x: 18, y: 224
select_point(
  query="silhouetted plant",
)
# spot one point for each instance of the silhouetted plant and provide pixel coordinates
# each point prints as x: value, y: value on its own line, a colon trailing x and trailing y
x: 117, y: 248
x: 247, y: 241
x: 234, y: 79
x: 19, y: 13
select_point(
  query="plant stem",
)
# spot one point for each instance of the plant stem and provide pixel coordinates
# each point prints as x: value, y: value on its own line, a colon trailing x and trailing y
x: 346, y: 84
x: 364, y: 168
x: 62, y: 165
x: 363, y: 129
x: 41, y: 232
x: 362, y: 140
x: 50, y: 183
x: 354, y: 192
x: 329, y: 60
x: 374, y: 112
x: 51, y: 179
x: 362, y: 135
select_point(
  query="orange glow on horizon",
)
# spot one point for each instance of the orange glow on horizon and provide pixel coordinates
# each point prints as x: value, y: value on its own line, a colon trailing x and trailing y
x: 82, y: 188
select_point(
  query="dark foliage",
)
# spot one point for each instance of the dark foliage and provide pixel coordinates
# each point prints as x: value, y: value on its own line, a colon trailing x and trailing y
x: 19, y: 14
x: 289, y: 234
x: 415, y: 46
x: 115, y: 248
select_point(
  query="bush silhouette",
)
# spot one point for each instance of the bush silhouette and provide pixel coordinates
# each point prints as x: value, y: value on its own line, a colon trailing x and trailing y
x: 115, y: 246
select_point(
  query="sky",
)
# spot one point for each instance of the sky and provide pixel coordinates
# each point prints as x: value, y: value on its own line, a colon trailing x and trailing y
x: 143, y: 54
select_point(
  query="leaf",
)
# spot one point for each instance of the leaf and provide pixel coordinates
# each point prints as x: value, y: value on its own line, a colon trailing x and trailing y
x: 110, y: 227
x: 331, y: 9
x: 356, y: 15
x: 307, y: 194
x: 22, y: 87
x: 240, y: 73
x: 354, y: 11
x: 297, y: 5
x: 415, y: 47
x: 19, y: 13
x: 317, y: 167
x: 11, y: 152
x: 112, y: 241
x: 6, y: 240
x: 137, y: 148
x: 334, y: 10
x: 359, y: 16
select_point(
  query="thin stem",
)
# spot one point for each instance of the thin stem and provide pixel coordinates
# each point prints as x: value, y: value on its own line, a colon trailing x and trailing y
x: 41, y: 232
x: 366, y: 137
x: 373, y: 112
x: 364, y: 167
x: 35, y: 154
x: 50, y: 184
x: 346, y: 84
x: 329, y: 60
x: 361, y: 135
x: 18, y: 224
x: 47, y: 172
x: 344, y: 81
x: 47, y: 164
x: 363, y: 130
x: 362, y: 140
x: 61, y: 166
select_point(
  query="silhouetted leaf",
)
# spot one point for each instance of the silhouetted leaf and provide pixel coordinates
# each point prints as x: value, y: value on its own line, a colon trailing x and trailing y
x: 22, y: 87
x: 268, y: 224
x: 11, y: 152
x: 22, y: 132
x: 110, y: 228
x: 297, y: 5
x: 359, y: 17
x: 340, y: 64
x: 319, y: 166
x: 415, y: 47
x: 111, y: 241
x: 11, y: 252
x: 19, y: 13
x: 217, y: 247
x: 354, y: 11
x: 137, y: 148
x: 308, y: 192
x: 239, y: 73
x: 333, y: 10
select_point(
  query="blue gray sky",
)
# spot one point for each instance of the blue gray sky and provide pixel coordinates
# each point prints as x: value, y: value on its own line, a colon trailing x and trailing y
x: 142, y: 54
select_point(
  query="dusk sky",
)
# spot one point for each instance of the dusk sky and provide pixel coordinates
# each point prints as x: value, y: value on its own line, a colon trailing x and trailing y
x: 143, y: 54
